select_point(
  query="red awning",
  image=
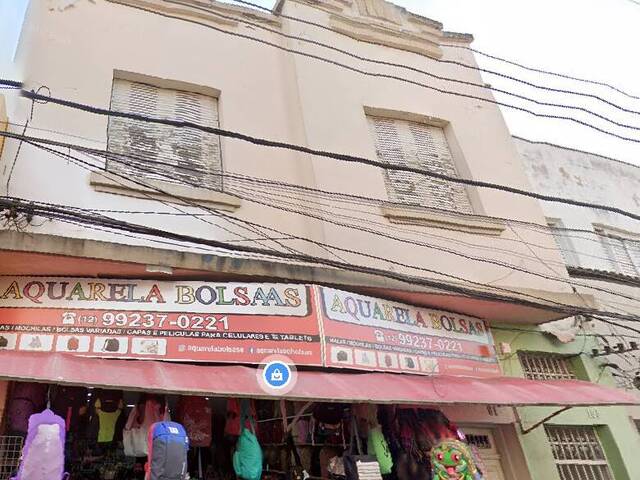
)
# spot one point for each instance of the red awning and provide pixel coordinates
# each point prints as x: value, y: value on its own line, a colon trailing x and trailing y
x: 240, y: 381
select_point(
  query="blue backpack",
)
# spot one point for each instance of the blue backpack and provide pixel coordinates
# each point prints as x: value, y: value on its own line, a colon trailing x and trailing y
x: 168, y: 447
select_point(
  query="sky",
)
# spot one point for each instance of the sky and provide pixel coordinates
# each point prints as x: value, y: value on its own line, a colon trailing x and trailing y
x: 594, y: 39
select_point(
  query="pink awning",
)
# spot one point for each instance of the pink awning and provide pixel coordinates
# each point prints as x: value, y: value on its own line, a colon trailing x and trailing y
x: 240, y: 381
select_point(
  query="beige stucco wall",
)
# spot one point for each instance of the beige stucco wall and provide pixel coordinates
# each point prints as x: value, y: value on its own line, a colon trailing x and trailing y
x: 270, y: 93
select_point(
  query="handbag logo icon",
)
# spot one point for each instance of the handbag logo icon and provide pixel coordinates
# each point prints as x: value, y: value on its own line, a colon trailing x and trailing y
x: 276, y: 375
x: 111, y: 345
x: 73, y: 344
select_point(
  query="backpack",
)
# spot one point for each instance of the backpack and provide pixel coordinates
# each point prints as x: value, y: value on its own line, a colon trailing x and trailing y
x: 111, y: 345
x: 168, y: 448
x: 70, y: 403
x: 26, y: 399
x: 247, y: 459
x: 195, y: 414
x: 43, y: 452
x: 73, y: 344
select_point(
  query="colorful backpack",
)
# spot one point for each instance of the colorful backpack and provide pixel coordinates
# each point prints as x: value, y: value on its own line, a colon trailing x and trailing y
x: 195, y: 414
x: 26, y: 399
x: 168, y: 448
x: 43, y: 452
x: 247, y: 459
x: 453, y: 459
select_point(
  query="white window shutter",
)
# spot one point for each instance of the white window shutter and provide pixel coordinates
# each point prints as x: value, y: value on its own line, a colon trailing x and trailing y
x: 418, y: 145
x: 564, y: 244
x: 163, y: 152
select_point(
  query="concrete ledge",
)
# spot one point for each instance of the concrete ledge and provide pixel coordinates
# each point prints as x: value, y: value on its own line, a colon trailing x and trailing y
x: 428, y: 218
x: 104, y: 182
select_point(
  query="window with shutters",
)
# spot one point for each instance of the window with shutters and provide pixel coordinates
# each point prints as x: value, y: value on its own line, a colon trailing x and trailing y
x: 563, y: 242
x: 546, y: 366
x: 168, y: 153
x: 422, y: 146
x: 623, y: 253
x: 578, y: 453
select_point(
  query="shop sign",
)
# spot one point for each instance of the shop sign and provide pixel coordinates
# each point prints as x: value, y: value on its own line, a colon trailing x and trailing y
x: 372, y: 334
x: 190, y: 321
x: 239, y: 323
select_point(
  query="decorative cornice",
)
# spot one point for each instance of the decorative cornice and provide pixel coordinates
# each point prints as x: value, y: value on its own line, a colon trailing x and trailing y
x: 200, y: 10
x: 458, y: 37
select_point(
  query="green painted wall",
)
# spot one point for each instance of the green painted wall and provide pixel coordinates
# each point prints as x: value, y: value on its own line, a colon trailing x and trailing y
x: 615, y: 429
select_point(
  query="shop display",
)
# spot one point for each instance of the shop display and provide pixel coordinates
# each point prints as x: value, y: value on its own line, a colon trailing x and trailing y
x: 358, y: 466
x: 168, y: 447
x: 247, y: 459
x: 195, y: 414
x: 25, y: 400
x: 116, y: 435
x: 43, y: 451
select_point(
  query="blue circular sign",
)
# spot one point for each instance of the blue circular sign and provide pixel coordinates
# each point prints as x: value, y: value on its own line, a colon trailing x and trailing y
x: 277, y: 374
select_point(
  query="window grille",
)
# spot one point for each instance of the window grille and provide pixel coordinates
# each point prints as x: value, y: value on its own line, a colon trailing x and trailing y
x: 483, y: 442
x: 163, y: 152
x: 542, y: 366
x: 10, y: 451
x: 418, y: 145
x: 578, y: 453
x: 623, y: 254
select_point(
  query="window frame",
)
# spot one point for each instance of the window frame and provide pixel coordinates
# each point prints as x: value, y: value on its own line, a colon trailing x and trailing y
x: 176, y: 86
x: 529, y: 361
x: 565, y: 245
x: 604, y: 234
x: 583, y: 441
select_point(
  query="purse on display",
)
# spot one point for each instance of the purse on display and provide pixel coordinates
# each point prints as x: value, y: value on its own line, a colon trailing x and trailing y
x: 358, y: 466
x: 296, y: 471
x: 111, y: 345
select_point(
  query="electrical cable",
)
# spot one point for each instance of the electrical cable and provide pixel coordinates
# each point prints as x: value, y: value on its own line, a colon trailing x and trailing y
x: 360, y: 253
x: 410, y: 68
x: 388, y: 76
x: 51, y: 212
x: 341, y: 196
x: 393, y: 237
x: 444, y: 61
x: 367, y: 230
x: 335, y: 156
x: 545, y: 72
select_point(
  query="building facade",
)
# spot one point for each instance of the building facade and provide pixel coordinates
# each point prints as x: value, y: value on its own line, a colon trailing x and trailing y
x: 189, y: 150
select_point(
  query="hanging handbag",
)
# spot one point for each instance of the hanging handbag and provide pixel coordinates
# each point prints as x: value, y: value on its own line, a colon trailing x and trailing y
x: 296, y: 471
x: 359, y: 467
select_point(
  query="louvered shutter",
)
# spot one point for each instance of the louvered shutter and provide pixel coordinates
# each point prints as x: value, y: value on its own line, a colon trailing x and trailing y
x: 418, y: 145
x: 619, y: 257
x: 564, y: 244
x: 163, y: 152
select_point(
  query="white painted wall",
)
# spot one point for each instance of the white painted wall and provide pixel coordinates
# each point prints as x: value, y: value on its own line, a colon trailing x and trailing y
x: 269, y: 93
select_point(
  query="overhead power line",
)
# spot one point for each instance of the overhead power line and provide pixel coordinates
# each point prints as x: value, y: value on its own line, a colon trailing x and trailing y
x: 547, y: 72
x: 344, y: 197
x: 51, y: 211
x: 335, y: 156
x: 324, y: 245
x: 388, y: 76
x: 427, y: 73
x: 330, y: 219
x: 454, y: 62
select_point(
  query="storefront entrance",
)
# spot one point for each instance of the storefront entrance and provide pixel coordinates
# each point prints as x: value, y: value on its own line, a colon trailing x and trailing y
x: 484, y: 440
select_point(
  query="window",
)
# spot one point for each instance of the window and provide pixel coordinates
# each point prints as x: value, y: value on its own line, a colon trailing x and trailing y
x: 578, y: 453
x: 172, y: 154
x: 623, y: 253
x: 543, y: 366
x: 563, y: 242
x: 415, y: 144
